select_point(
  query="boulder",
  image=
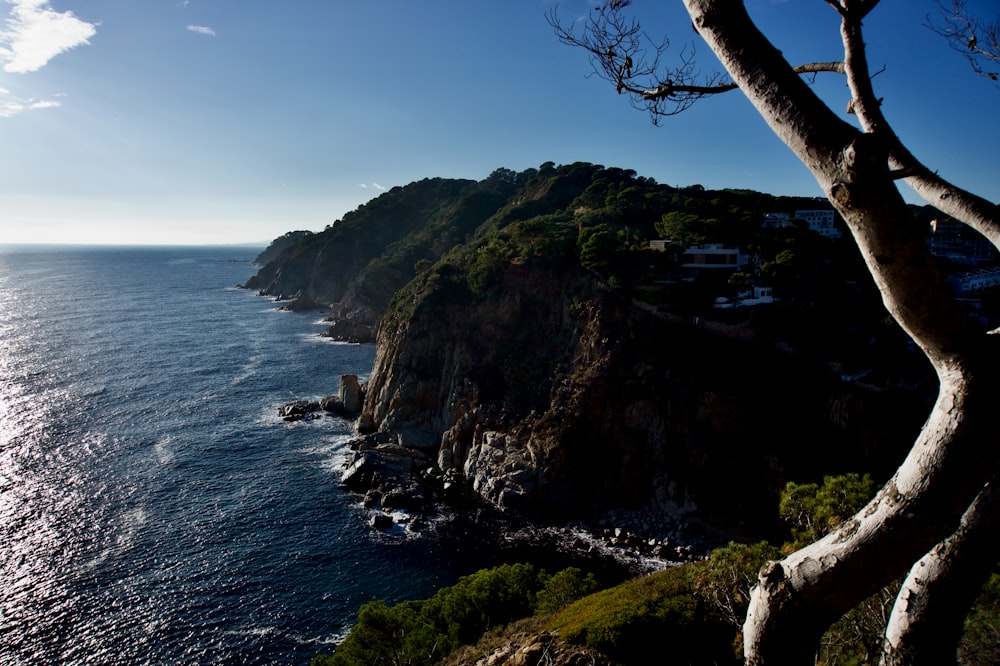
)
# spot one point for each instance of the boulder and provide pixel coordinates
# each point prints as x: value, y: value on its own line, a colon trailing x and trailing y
x: 343, y: 330
x: 388, y: 474
x: 301, y: 302
x: 381, y: 521
x: 332, y: 404
x: 365, y: 424
x: 299, y: 409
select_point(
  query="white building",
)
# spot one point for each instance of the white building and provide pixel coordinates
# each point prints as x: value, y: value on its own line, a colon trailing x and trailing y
x: 959, y: 244
x: 747, y: 298
x: 756, y: 296
x: 820, y: 221
x: 977, y: 280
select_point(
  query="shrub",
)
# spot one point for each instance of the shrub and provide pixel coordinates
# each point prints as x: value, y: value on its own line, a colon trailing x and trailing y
x: 724, y: 580
x: 563, y: 589
x: 813, y: 510
x: 658, y: 614
x: 980, y: 643
x: 423, y: 632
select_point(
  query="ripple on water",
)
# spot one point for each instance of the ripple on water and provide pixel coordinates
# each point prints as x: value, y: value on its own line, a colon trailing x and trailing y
x: 153, y: 506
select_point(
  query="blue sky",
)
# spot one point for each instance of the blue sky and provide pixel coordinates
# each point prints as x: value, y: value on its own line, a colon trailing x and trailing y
x: 234, y: 121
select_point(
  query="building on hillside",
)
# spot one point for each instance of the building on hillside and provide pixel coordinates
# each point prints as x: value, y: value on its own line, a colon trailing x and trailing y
x: 713, y: 256
x: 974, y: 281
x: 748, y: 297
x: 756, y: 296
x: 959, y: 244
x: 775, y: 220
x: 821, y: 221
x: 660, y: 245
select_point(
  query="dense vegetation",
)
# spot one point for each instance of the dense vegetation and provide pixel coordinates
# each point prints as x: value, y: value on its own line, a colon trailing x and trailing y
x: 423, y: 632
x: 279, y: 245
x: 583, y: 215
x: 452, y: 239
x: 688, y: 614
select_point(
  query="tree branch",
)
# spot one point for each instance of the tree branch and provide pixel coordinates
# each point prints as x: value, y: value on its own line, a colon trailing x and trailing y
x: 978, y: 41
x: 668, y: 88
x: 623, y: 55
x: 978, y: 213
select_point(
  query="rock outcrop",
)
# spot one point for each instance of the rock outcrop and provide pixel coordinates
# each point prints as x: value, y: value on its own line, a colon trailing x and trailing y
x: 298, y: 410
x: 346, y: 330
x: 347, y: 403
x: 388, y: 475
x: 558, y: 396
x: 528, y: 648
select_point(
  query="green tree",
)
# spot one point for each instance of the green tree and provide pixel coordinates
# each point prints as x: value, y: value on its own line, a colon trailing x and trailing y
x: 424, y: 632
x: 564, y: 588
x: 725, y: 579
x: 684, y: 228
x: 813, y: 510
x: 597, y: 245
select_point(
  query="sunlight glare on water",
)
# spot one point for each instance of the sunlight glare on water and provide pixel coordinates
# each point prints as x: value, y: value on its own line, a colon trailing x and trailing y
x: 153, y: 507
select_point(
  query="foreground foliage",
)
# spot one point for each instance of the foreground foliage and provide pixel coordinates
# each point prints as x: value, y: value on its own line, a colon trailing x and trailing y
x: 423, y: 632
x: 689, y: 614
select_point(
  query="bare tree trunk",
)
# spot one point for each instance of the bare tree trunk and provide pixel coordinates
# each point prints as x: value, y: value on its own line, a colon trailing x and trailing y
x: 798, y: 598
x: 927, y: 621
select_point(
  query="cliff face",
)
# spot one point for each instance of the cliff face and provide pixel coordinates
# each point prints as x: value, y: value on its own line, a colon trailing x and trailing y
x: 554, y: 394
x: 509, y: 343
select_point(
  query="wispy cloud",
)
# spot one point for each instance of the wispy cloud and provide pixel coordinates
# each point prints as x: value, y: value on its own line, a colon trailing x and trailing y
x: 202, y: 30
x: 34, y: 33
x: 373, y: 185
x: 11, y: 105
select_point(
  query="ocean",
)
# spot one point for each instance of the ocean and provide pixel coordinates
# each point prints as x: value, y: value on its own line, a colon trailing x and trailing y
x: 154, y: 509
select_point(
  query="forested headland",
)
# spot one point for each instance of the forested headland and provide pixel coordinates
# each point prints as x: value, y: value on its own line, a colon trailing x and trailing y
x: 535, y: 347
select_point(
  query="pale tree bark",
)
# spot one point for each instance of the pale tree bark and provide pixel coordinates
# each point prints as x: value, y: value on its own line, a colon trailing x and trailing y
x: 927, y: 620
x: 956, y: 453
x: 797, y: 599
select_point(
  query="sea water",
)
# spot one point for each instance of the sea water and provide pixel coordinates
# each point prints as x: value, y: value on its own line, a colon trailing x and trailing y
x: 154, y: 509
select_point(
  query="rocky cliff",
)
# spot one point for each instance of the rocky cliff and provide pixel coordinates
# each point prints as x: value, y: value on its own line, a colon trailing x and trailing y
x: 555, y: 394
x: 530, y: 347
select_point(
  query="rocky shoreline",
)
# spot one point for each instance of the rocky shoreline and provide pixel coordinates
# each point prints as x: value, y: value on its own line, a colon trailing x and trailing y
x: 401, y: 489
